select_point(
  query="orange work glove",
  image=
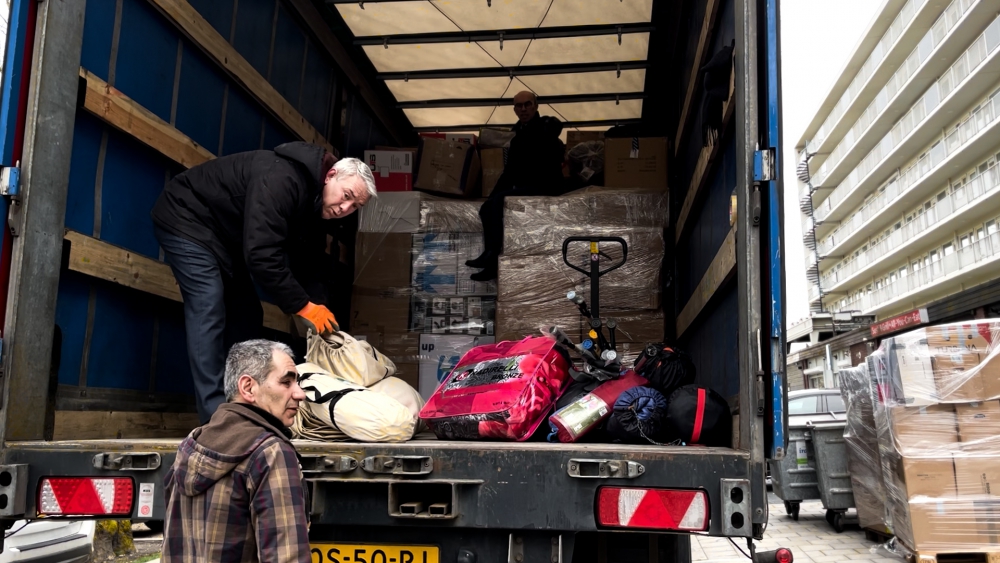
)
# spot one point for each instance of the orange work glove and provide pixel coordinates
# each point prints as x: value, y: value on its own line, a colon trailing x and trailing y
x: 320, y: 317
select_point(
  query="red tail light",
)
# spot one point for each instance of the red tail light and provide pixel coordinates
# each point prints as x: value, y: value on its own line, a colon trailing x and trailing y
x: 659, y: 509
x: 783, y: 555
x: 85, y: 496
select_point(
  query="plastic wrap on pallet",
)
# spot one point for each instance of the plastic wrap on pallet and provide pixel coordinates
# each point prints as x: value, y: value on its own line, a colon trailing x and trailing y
x: 417, y: 212
x: 542, y: 277
x: 412, y: 296
x: 861, y: 438
x: 938, y: 427
x: 538, y: 225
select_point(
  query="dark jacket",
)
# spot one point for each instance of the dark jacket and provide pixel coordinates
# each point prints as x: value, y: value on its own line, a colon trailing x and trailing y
x: 235, y: 493
x: 261, y: 208
x: 535, y: 157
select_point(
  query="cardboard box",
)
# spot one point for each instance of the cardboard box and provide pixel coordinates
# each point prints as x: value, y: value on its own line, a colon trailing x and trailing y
x: 928, y: 477
x: 382, y: 261
x: 453, y: 315
x: 409, y: 371
x: 384, y: 322
x: 495, y: 138
x: 493, y: 163
x: 977, y: 475
x: 924, y: 430
x: 393, y: 170
x: 392, y: 212
x: 447, y: 167
x: 438, y: 356
x: 438, y: 266
x: 939, y: 525
x: 574, y: 138
x: 979, y: 426
x: 468, y: 138
x: 626, y: 167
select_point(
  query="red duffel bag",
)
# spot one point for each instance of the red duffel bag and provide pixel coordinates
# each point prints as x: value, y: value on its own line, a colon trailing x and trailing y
x: 499, y: 391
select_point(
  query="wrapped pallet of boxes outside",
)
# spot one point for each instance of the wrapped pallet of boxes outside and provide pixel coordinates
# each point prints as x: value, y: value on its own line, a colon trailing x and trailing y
x: 413, y: 299
x: 861, y: 438
x: 534, y: 280
x: 939, y: 435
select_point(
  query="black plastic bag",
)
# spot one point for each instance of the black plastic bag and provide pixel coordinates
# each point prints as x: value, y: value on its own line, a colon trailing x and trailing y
x: 696, y: 415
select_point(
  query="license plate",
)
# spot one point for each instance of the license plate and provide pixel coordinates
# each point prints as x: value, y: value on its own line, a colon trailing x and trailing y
x: 373, y: 553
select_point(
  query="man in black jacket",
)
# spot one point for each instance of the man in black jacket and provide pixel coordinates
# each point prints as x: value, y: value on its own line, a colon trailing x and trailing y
x: 534, y: 167
x: 245, y: 218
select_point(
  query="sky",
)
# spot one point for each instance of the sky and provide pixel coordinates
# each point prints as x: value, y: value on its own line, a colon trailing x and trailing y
x: 817, y: 38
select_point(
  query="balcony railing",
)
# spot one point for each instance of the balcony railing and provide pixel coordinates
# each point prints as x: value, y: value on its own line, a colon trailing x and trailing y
x: 963, y: 260
x: 814, y: 293
x: 923, y: 51
x: 971, y: 194
x: 902, y: 20
x: 967, y: 63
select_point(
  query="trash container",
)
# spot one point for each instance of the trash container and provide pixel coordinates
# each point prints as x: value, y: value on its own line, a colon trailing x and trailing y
x: 835, y: 488
x: 793, y: 478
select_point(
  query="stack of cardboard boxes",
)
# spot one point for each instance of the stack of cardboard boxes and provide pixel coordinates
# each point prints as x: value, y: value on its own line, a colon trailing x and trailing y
x: 413, y: 299
x: 939, y: 436
x: 534, y: 279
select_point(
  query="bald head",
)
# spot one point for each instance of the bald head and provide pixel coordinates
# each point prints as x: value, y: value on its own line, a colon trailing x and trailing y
x: 525, y: 106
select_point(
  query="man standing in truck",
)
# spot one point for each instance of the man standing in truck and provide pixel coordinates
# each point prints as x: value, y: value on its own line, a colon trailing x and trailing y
x: 235, y: 492
x: 252, y: 217
x: 534, y: 167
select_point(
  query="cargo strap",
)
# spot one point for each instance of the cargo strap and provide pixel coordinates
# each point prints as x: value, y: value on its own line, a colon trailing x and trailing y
x: 333, y: 397
x: 699, y: 417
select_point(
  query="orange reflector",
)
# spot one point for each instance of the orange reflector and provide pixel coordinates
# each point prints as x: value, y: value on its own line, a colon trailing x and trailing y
x: 85, y: 496
x: 658, y: 509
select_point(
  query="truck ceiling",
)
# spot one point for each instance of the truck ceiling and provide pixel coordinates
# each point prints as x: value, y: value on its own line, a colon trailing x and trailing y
x: 455, y: 65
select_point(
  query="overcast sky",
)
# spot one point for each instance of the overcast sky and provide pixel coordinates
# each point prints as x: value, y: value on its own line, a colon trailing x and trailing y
x: 817, y: 36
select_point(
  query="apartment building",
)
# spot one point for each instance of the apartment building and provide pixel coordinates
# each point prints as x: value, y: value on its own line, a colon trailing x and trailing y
x: 900, y: 193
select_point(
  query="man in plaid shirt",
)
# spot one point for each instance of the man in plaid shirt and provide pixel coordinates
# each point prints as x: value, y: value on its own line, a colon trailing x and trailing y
x: 235, y: 492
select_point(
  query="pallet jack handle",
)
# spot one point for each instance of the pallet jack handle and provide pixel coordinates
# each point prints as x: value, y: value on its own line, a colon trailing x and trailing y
x: 595, y: 272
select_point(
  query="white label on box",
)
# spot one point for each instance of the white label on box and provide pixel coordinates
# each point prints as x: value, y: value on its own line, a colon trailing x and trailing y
x: 146, y: 500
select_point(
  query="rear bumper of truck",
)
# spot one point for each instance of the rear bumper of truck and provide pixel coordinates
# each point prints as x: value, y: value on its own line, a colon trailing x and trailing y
x: 458, y: 485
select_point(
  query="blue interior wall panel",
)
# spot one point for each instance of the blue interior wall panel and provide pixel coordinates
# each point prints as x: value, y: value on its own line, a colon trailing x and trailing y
x: 275, y: 134
x: 147, y: 57
x: 218, y: 13
x: 243, y: 122
x: 288, y: 57
x: 712, y: 344
x: 710, y: 224
x: 254, y: 26
x: 173, y: 371
x: 98, y: 29
x: 71, y: 318
x: 317, y: 93
x: 121, y: 344
x: 199, y: 98
x: 133, y: 179
x: 87, y: 134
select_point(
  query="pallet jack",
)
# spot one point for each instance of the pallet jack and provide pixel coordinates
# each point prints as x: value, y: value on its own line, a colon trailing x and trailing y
x: 601, y: 359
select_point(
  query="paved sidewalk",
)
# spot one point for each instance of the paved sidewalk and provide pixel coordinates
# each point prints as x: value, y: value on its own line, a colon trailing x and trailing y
x: 811, y: 539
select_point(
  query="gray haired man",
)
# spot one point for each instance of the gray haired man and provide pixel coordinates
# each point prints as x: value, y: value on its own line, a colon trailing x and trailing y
x: 252, y: 217
x: 235, y: 491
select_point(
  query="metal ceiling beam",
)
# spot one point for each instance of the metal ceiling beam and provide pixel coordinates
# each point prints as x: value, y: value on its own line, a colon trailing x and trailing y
x: 489, y: 102
x: 368, y: 1
x: 566, y: 125
x: 491, y: 72
x: 505, y: 34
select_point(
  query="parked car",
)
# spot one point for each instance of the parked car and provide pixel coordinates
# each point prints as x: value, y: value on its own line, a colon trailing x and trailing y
x: 810, y: 406
x: 49, y: 541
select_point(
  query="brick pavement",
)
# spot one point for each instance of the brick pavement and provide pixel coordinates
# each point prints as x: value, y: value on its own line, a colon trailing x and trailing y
x: 811, y: 539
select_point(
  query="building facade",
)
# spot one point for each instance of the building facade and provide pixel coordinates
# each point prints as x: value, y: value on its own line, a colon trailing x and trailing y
x: 899, y: 183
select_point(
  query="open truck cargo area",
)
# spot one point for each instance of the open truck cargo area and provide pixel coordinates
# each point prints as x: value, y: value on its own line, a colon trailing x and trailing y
x: 103, y: 101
